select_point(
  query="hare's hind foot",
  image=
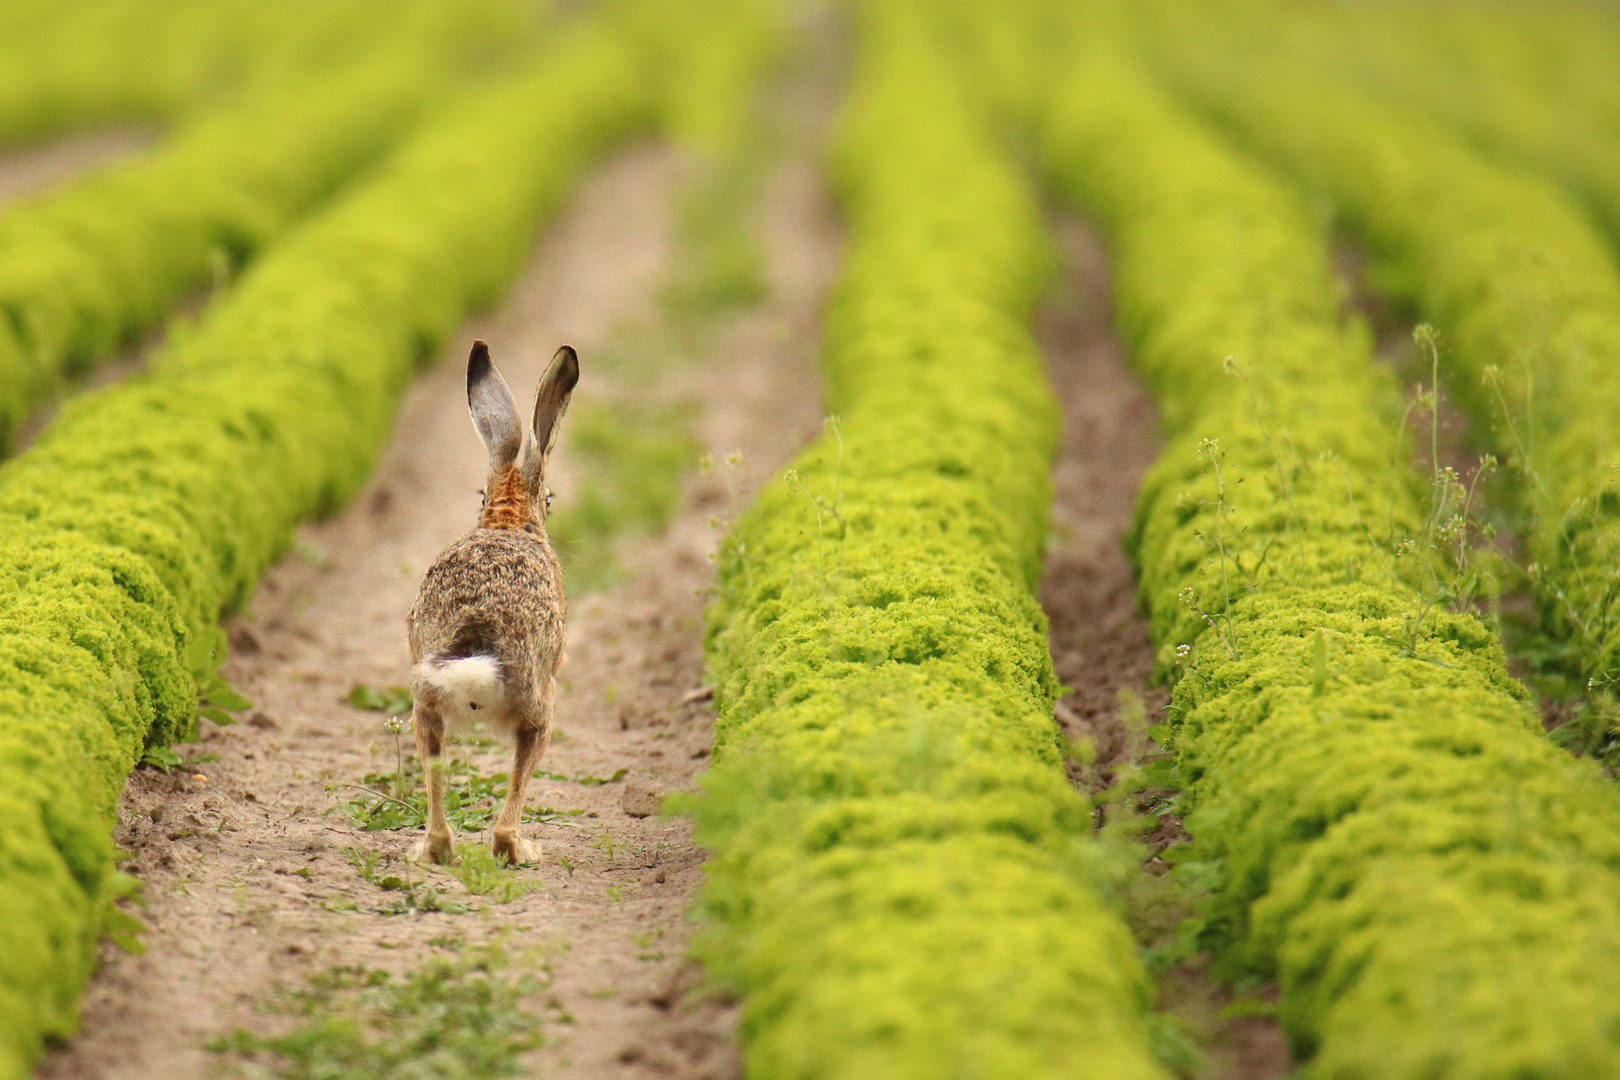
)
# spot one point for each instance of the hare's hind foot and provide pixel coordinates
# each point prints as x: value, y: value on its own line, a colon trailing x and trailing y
x: 514, y: 849
x: 434, y: 849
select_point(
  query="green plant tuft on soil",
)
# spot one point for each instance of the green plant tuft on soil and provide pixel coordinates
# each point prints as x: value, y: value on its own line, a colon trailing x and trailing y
x: 481, y: 874
x: 395, y: 799
x: 416, y: 894
x: 454, y: 1018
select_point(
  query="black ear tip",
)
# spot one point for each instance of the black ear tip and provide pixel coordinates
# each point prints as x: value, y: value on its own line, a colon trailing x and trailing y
x: 568, y: 366
x: 478, y: 361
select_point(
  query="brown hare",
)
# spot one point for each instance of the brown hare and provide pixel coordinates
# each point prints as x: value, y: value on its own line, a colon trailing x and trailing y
x: 487, y: 628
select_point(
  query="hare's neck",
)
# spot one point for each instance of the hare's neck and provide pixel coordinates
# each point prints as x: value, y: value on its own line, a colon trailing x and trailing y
x: 507, y: 504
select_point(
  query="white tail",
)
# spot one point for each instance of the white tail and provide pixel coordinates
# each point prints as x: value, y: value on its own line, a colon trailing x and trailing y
x: 470, y: 682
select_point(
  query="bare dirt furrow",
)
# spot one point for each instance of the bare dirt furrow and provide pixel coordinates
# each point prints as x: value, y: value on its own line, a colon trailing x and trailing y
x: 1110, y: 438
x: 27, y: 170
x: 250, y: 874
x: 1099, y: 639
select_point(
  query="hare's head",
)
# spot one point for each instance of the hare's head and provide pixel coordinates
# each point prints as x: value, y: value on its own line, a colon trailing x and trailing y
x: 515, y: 494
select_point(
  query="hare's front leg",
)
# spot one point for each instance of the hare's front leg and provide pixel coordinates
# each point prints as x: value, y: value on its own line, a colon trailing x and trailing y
x: 533, y: 734
x: 437, y: 845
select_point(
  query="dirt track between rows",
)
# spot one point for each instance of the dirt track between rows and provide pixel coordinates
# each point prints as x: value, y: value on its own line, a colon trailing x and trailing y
x: 247, y: 879
x: 1098, y: 637
x: 26, y: 171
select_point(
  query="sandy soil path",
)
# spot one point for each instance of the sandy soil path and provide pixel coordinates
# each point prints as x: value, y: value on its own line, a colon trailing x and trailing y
x: 1099, y: 639
x: 31, y: 169
x: 1110, y: 439
x: 246, y: 874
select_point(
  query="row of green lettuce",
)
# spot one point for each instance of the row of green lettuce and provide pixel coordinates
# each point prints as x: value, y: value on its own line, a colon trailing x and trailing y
x: 1518, y: 278
x: 1538, y: 84
x: 1435, y: 886
x: 88, y: 268
x: 713, y: 76
x: 69, y: 66
x: 902, y: 882
x: 150, y: 508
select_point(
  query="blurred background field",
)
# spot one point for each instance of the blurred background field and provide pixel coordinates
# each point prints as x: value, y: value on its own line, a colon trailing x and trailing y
x: 1314, y: 506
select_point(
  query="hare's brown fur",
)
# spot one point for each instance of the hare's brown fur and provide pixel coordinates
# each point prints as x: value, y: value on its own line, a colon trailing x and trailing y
x: 495, y: 592
x: 509, y: 504
x: 488, y: 626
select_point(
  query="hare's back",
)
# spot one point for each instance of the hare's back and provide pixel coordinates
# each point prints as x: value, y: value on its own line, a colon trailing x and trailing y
x: 505, y: 583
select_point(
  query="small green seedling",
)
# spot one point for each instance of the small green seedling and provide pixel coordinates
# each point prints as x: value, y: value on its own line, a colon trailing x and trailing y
x: 587, y: 781
x: 160, y: 757
x: 481, y: 874
x: 455, y: 1017
x: 393, y: 700
x: 395, y: 800
x: 216, y: 697
x: 414, y: 895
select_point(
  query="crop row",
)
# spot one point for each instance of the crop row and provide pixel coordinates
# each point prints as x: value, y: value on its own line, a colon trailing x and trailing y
x: 85, y: 269
x: 148, y: 509
x: 1434, y: 885
x: 710, y: 78
x: 901, y: 880
x: 88, y: 268
x: 1521, y: 283
x: 1537, y: 84
x: 69, y: 66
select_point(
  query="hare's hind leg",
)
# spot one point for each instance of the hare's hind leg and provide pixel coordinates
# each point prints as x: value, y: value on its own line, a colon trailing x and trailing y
x: 437, y: 845
x: 533, y: 735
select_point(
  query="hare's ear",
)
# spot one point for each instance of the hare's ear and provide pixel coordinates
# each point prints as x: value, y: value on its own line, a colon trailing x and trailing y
x: 550, y: 402
x: 494, y: 413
